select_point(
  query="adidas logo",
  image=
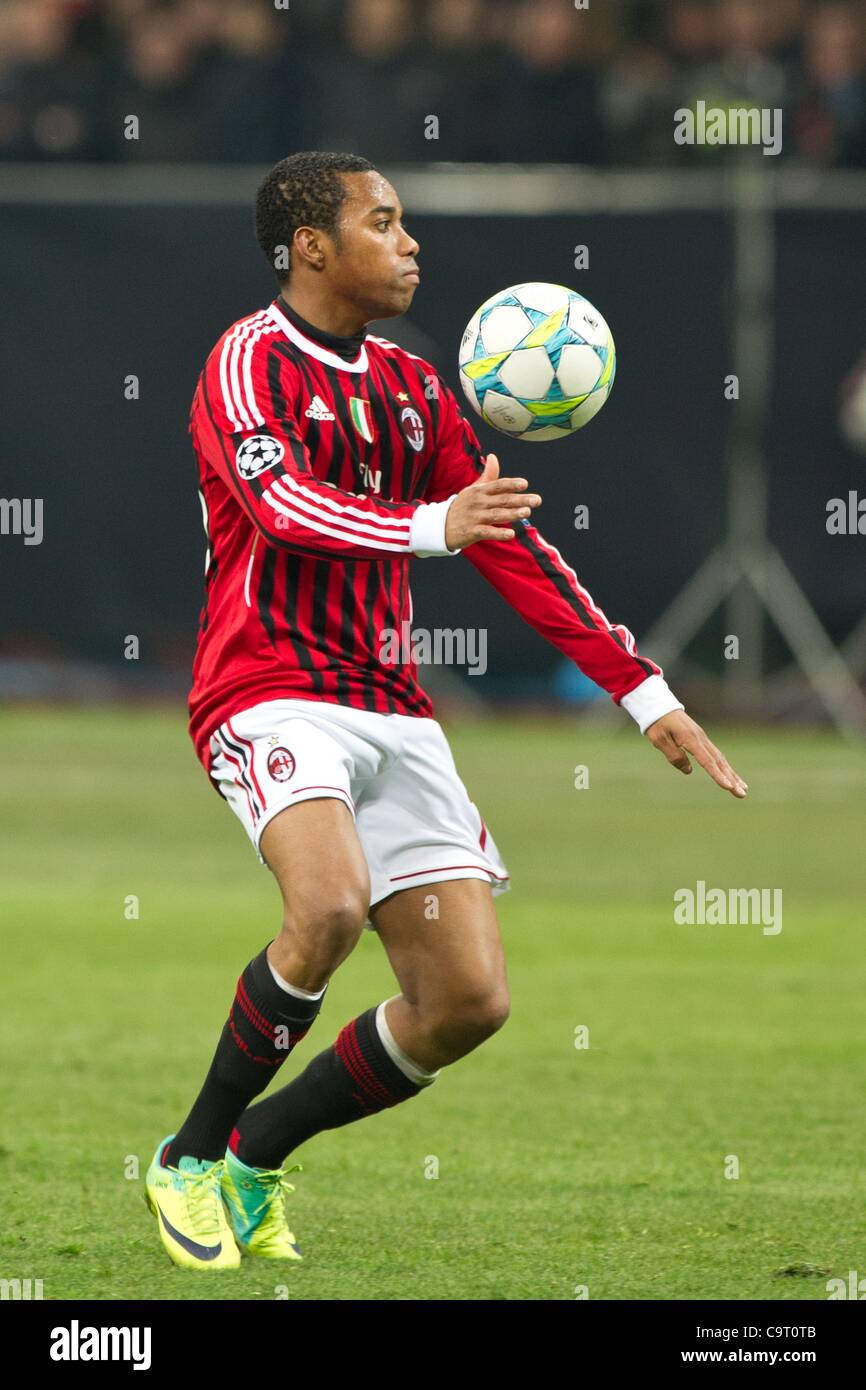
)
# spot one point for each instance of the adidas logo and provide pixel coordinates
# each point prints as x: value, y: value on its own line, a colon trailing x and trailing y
x: 317, y: 410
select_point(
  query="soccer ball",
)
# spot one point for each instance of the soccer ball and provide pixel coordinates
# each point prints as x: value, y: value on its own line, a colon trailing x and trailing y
x: 537, y: 361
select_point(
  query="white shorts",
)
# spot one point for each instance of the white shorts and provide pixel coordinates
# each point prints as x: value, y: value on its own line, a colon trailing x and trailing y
x: 394, y: 772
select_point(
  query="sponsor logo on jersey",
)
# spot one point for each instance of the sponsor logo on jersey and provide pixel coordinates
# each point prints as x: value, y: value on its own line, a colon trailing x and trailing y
x: 281, y: 764
x: 362, y: 418
x: 317, y: 410
x: 413, y: 428
x: 370, y: 477
x: 256, y: 454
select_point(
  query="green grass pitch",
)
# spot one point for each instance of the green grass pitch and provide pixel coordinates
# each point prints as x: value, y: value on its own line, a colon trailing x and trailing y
x: 559, y: 1167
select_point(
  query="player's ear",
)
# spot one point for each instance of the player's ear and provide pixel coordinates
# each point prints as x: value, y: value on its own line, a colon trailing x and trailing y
x: 307, y: 242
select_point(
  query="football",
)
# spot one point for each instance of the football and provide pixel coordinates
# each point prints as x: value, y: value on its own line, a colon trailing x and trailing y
x: 537, y: 361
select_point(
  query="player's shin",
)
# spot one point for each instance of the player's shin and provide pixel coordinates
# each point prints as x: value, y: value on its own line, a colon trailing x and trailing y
x: 267, y: 1019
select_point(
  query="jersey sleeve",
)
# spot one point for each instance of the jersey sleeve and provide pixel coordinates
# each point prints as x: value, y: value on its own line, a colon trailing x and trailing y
x: 243, y: 425
x: 535, y: 580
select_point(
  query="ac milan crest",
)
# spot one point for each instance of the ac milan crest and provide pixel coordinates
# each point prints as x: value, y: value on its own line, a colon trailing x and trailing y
x: 413, y: 428
x: 281, y: 764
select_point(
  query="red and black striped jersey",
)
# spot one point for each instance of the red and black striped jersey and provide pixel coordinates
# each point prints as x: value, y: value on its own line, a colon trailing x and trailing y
x: 321, y: 476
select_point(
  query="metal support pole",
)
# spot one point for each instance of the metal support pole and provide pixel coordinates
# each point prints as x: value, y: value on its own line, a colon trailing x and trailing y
x: 747, y: 572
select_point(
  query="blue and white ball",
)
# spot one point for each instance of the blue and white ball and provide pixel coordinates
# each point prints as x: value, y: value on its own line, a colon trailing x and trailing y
x: 537, y: 361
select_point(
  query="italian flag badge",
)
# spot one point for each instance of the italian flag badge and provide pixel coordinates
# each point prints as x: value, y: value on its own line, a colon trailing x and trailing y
x: 362, y: 417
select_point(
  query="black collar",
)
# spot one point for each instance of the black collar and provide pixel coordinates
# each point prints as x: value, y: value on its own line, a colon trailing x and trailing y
x: 347, y: 348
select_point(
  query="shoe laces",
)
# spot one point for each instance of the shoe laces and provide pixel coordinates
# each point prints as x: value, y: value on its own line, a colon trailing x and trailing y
x: 204, y: 1217
x: 276, y: 1185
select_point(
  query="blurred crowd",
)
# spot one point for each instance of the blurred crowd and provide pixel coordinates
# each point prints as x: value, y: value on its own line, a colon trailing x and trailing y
x: 505, y: 80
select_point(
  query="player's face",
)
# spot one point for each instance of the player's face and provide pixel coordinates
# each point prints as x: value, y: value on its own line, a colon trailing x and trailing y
x: 374, y: 264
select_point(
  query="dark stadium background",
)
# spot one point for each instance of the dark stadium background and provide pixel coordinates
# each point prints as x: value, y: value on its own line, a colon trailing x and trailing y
x: 149, y: 291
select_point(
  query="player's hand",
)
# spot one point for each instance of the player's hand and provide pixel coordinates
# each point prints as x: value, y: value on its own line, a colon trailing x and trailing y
x: 676, y: 735
x: 489, y: 509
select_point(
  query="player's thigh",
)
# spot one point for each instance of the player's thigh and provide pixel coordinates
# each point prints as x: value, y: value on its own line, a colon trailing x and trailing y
x: 290, y: 779
x: 316, y: 857
x: 444, y: 945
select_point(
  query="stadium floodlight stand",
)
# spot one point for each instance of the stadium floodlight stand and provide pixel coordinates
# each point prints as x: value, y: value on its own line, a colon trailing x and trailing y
x: 745, y: 569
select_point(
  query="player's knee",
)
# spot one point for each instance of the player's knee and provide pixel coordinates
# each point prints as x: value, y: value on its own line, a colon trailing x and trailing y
x: 328, y: 929
x: 472, y: 1018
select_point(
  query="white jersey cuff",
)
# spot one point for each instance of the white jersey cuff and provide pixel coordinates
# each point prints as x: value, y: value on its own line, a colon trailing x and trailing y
x: 427, y: 529
x: 649, y: 701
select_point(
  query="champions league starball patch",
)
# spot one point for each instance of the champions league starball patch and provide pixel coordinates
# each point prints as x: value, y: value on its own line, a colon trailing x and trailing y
x: 256, y: 454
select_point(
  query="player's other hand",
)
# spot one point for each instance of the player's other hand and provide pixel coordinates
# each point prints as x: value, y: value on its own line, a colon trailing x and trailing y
x: 676, y: 735
x: 489, y: 509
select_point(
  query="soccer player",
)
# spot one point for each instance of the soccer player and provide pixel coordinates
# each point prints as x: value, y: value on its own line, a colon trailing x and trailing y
x: 328, y: 458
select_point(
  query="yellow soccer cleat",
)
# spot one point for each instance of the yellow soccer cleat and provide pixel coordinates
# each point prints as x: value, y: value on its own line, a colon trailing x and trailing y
x: 256, y: 1202
x: 187, y: 1203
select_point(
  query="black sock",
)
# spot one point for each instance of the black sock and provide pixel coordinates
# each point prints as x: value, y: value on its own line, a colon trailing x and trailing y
x: 354, y: 1078
x: 264, y: 1024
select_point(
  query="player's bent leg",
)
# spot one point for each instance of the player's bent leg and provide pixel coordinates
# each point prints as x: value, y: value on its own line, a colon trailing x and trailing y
x: 451, y: 969
x: 452, y: 973
x: 367, y: 1070
x: 450, y: 965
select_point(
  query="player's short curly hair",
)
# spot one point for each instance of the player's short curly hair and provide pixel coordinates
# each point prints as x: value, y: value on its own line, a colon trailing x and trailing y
x: 304, y: 190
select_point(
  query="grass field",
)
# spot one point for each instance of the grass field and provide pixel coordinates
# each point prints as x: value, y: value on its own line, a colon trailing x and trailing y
x: 558, y: 1167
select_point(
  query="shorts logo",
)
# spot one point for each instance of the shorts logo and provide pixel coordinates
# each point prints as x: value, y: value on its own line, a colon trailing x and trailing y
x: 257, y: 453
x: 413, y: 428
x: 281, y: 764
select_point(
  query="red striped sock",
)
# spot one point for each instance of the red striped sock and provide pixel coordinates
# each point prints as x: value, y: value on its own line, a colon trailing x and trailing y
x: 354, y: 1078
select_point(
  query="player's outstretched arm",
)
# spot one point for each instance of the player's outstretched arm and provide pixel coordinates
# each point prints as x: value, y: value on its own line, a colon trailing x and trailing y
x: 534, y: 579
x: 676, y: 735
